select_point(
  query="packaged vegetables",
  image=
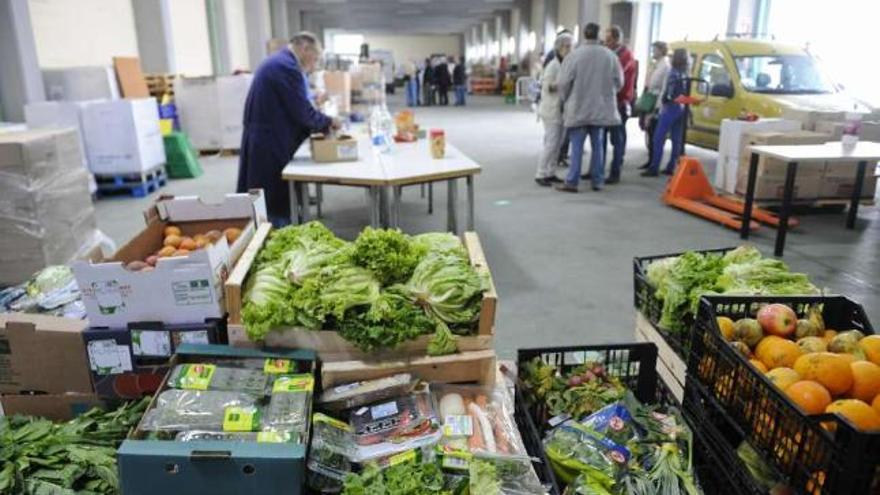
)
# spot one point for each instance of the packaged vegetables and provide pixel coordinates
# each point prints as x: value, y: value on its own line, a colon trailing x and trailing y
x: 476, y: 419
x: 381, y: 290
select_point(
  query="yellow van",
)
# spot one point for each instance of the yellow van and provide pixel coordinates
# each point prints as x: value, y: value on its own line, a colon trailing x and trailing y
x: 762, y: 77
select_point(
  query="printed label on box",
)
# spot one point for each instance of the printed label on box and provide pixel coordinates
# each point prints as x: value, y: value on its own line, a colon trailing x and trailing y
x: 241, y: 419
x: 458, y: 426
x: 277, y: 366
x: 196, y: 337
x: 108, y: 358
x: 384, y: 410
x: 347, y: 151
x: 192, y: 292
x: 150, y: 343
x: 293, y: 383
x: 196, y: 376
x: 108, y: 294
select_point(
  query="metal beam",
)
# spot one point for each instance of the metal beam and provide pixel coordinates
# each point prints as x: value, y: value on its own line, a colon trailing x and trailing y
x: 21, y: 81
x: 259, y: 30
x: 152, y: 22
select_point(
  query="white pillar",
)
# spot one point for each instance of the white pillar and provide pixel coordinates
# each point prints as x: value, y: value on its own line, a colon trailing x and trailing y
x: 152, y: 21
x: 280, y: 20
x: 295, y: 20
x: 20, y: 78
x: 590, y: 11
x: 259, y: 30
x: 551, y: 15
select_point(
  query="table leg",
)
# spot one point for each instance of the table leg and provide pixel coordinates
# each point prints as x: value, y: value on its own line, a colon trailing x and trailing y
x: 469, y: 180
x: 303, y: 193
x: 430, y: 198
x: 319, y: 195
x: 384, y: 207
x: 750, y: 198
x: 294, y: 202
x: 395, y: 206
x: 788, y: 192
x: 451, y: 209
x: 853, y: 213
x: 374, y: 206
x: 422, y: 190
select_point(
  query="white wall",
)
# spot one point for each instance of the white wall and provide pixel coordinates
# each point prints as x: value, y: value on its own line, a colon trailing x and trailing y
x: 237, y: 29
x: 189, y: 29
x: 82, y: 32
x: 414, y: 47
x: 569, y: 13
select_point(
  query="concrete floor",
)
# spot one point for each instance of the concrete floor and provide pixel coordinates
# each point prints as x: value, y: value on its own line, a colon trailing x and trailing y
x: 562, y: 263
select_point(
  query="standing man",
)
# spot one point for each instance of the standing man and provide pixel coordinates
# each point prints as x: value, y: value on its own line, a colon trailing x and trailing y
x: 550, y: 111
x: 278, y: 117
x: 443, y: 81
x: 588, y: 84
x: 428, y: 83
x: 459, y: 79
x: 614, y: 42
x: 654, y: 82
x: 412, y: 86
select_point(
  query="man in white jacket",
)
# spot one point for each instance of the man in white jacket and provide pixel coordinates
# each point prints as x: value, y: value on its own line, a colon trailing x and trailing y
x: 588, y: 84
x: 550, y: 112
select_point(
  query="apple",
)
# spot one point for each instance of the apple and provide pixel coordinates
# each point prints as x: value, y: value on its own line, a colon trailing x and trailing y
x: 747, y: 331
x: 777, y: 319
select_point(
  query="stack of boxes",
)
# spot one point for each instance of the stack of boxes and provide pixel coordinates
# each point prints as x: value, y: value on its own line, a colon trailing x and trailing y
x: 210, y: 110
x: 45, y: 205
x: 770, y: 181
x: 337, y: 84
x: 840, y: 178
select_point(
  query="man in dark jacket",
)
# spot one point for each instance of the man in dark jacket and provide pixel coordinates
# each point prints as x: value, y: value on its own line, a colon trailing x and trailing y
x: 617, y: 134
x: 428, y: 83
x: 278, y: 117
x: 459, y: 79
x: 443, y: 81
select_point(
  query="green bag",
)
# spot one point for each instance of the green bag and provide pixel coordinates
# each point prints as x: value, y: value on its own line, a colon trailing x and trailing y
x: 646, y: 103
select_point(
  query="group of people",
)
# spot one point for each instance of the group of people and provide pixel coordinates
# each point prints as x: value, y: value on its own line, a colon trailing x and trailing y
x: 589, y: 91
x: 429, y: 83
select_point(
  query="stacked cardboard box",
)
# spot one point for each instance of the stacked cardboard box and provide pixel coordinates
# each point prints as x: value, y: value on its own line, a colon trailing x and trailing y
x: 730, y: 146
x: 840, y: 178
x: 211, y: 110
x: 81, y: 84
x: 809, y: 117
x: 57, y: 115
x: 123, y: 136
x: 338, y: 86
x: 46, y: 214
x: 771, y: 172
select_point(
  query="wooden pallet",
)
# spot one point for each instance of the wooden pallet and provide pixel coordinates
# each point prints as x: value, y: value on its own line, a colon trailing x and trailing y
x: 160, y: 84
x: 808, y: 203
x: 219, y: 152
x: 136, y: 185
x: 671, y: 368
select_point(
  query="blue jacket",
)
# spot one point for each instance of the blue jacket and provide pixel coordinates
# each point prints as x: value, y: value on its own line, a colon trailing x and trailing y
x: 676, y: 85
x: 278, y: 117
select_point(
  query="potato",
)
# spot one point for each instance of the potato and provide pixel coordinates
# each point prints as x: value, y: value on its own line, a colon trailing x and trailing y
x: 172, y: 230
x: 152, y: 259
x: 135, y: 266
x: 181, y: 252
x: 187, y: 243
x: 232, y: 234
x: 166, y: 251
x: 214, y: 235
x: 173, y: 240
x: 202, y: 242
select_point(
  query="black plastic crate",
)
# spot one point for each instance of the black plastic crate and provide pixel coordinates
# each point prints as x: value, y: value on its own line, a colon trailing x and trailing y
x: 795, y: 444
x: 645, y: 300
x: 533, y: 444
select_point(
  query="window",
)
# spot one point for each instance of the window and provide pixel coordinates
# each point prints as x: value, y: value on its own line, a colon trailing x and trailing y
x: 782, y: 74
x: 712, y: 70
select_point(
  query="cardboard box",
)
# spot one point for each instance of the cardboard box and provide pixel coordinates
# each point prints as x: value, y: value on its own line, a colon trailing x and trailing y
x: 839, y: 178
x: 57, y: 115
x: 131, y: 78
x: 211, y: 109
x: 40, y: 353
x: 181, y: 289
x: 338, y: 84
x: 81, y: 83
x: 57, y: 407
x: 870, y: 130
x: 172, y: 468
x: 730, y: 146
x: 808, y: 117
x: 329, y: 149
x: 123, y: 136
x: 771, y: 187
x: 771, y: 172
x: 232, y: 93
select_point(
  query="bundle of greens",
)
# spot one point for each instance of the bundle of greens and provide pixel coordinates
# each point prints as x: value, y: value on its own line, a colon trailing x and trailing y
x: 389, y: 254
x: 406, y: 478
x: 79, y: 456
x: 447, y: 287
x: 267, y: 300
x: 582, y: 391
x: 390, y: 321
x: 681, y: 281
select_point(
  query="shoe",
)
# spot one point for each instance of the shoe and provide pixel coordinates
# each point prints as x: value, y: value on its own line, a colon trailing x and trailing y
x: 645, y: 166
x: 554, y: 179
x: 566, y: 188
x: 597, y: 188
x: 587, y: 176
x: 562, y: 163
x: 649, y: 173
x: 612, y: 180
x: 543, y: 182
x: 668, y: 172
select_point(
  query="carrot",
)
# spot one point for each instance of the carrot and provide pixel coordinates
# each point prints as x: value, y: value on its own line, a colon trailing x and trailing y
x: 475, y: 441
x: 485, y: 427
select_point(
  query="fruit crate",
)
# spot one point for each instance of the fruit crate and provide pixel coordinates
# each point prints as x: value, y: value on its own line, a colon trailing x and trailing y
x: 645, y: 300
x: 846, y: 461
x: 634, y: 364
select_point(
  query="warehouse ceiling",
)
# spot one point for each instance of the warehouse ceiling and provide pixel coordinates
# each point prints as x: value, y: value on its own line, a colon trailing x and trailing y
x: 402, y: 16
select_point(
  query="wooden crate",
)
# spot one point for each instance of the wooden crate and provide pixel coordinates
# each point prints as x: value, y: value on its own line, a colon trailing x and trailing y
x: 671, y: 368
x: 329, y: 345
x: 464, y: 367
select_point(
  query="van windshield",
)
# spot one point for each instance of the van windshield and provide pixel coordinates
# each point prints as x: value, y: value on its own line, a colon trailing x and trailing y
x: 782, y: 74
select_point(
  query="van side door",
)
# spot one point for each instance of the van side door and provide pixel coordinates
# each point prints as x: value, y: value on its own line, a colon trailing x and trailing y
x: 719, y: 93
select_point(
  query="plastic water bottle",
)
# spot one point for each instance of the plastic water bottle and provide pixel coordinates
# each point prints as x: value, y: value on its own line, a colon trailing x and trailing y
x: 381, y: 127
x: 852, y: 127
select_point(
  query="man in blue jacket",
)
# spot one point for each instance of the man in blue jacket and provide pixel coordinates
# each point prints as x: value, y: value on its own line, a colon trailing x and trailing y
x: 278, y: 118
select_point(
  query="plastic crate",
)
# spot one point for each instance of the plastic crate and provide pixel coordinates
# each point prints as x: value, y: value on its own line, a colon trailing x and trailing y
x: 533, y: 444
x: 645, y: 300
x: 795, y: 444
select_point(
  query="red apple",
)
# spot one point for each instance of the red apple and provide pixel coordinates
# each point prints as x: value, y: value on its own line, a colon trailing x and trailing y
x: 777, y: 319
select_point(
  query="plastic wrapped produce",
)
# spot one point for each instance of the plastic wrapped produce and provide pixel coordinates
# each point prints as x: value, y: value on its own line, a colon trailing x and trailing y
x: 290, y: 404
x: 477, y: 419
x: 330, y: 454
x: 201, y: 376
x: 359, y: 393
x: 181, y: 410
x: 228, y: 436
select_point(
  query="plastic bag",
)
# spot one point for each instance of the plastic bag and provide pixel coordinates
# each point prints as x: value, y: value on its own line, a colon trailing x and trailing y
x: 228, y: 436
x: 477, y: 419
x: 330, y: 454
x: 180, y: 410
x: 290, y: 404
x: 399, y: 418
x: 203, y: 376
x: 497, y: 474
x: 359, y: 393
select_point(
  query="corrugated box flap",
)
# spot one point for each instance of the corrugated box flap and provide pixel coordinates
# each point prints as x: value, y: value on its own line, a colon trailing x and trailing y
x: 191, y: 208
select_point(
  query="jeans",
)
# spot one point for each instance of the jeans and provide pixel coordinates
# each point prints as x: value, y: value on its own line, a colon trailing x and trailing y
x: 460, y: 92
x: 412, y: 93
x: 553, y: 132
x: 597, y: 157
x: 563, y: 147
x: 617, y: 136
x: 671, y: 121
x: 279, y: 221
x: 443, y: 95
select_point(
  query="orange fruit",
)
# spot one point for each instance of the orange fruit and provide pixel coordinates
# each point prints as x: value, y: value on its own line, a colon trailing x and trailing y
x: 829, y: 335
x: 870, y: 345
x: 861, y: 415
x: 783, y: 377
x: 171, y: 230
x: 725, y: 324
x: 849, y: 358
x: 816, y: 482
x: 829, y: 369
x: 165, y: 251
x: 876, y: 404
x: 173, y: 240
x: 188, y: 244
x: 759, y: 365
x: 811, y: 396
x: 181, y: 252
x: 777, y: 352
x: 866, y: 381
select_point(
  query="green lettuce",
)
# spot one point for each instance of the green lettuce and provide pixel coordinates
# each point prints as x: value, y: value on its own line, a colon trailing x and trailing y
x: 391, y: 320
x: 439, y: 242
x: 389, y: 254
x: 266, y: 301
x: 304, y: 261
x: 447, y: 287
x: 297, y: 236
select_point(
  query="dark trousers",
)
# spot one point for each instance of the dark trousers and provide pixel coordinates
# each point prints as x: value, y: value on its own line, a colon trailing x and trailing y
x: 563, y: 150
x: 443, y: 95
x: 617, y: 136
x: 649, y: 127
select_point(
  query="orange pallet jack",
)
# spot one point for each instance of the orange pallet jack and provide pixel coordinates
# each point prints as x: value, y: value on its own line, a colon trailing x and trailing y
x: 689, y: 189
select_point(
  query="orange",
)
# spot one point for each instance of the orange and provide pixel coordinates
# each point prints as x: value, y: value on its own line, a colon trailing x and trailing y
x: 861, y: 415
x: 759, y: 365
x: 829, y: 369
x: 829, y: 335
x: 876, y: 404
x: 816, y: 482
x: 866, y: 381
x: 783, y: 377
x: 777, y: 352
x: 173, y: 240
x: 725, y: 324
x: 870, y: 345
x: 171, y: 230
x: 811, y: 396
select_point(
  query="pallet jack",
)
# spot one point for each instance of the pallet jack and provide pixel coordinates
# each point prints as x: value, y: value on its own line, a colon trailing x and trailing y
x: 690, y: 190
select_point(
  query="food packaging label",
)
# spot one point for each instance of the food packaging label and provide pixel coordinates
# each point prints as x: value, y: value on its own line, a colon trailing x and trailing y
x: 151, y: 343
x: 384, y: 410
x: 241, y: 419
x: 293, y: 383
x: 108, y: 358
x: 458, y: 426
x: 277, y: 366
x: 197, y: 376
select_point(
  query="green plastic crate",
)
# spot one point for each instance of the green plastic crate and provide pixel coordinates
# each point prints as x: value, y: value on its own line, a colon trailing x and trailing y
x: 182, y: 161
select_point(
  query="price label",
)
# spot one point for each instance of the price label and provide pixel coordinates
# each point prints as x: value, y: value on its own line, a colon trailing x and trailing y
x: 240, y: 419
x: 458, y: 426
x: 277, y: 366
x: 293, y: 383
x: 196, y: 376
